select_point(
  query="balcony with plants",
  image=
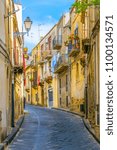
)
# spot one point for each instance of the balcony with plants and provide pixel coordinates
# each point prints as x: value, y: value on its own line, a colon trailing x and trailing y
x: 41, y: 82
x: 74, y: 45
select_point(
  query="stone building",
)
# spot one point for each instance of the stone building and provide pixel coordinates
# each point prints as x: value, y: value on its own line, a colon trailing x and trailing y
x: 91, y: 43
x: 45, y: 54
x: 10, y: 68
x: 5, y: 77
x: 77, y: 58
x: 61, y: 67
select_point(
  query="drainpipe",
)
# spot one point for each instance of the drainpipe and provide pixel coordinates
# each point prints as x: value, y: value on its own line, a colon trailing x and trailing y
x: 86, y: 94
x: 12, y: 118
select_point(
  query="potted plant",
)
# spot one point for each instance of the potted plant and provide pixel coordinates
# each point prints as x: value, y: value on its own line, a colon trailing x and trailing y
x: 76, y: 37
x: 71, y: 37
x: 66, y: 43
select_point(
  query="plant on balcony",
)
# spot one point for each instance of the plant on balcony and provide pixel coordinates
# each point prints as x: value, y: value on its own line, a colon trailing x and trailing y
x: 71, y: 37
x: 31, y: 79
x: 66, y: 43
x: 49, y: 77
x: 76, y: 37
x: 81, y: 6
x: 77, y: 46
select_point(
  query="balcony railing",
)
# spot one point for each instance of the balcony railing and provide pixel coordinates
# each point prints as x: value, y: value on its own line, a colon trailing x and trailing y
x: 41, y: 83
x: 61, y: 64
x: 74, y: 50
x: 33, y: 64
x: 48, y: 77
x: 27, y: 88
x: 41, y: 61
x: 86, y: 45
x: 48, y: 54
x: 57, y: 42
x: 18, y: 68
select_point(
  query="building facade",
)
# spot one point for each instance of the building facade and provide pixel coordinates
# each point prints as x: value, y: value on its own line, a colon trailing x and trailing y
x: 67, y: 65
x: 11, y: 84
x: 91, y: 43
x: 61, y: 67
x: 77, y: 56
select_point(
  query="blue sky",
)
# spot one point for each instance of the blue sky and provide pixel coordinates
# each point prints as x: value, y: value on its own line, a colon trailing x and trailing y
x: 44, y: 12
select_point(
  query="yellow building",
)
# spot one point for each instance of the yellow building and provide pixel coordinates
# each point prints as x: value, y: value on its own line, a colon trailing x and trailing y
x: 17, y: 63
x: 5, y: 73
x: 44, y: 64
x: 28, y: 89
x: 65, y: 66
x: 11, y: 79
x: 91, y: 44
x: 77, y: 59
x: 61, y: 67
x: 34, y: 83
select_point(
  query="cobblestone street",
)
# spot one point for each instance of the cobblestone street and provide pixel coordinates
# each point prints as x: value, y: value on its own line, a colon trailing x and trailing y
x: 48, y: 129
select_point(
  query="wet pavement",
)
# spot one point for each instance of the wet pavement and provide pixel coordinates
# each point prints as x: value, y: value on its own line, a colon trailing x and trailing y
x: 48, y: 129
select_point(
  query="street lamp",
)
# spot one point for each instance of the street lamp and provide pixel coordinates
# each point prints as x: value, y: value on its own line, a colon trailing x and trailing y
x: 27, y: 24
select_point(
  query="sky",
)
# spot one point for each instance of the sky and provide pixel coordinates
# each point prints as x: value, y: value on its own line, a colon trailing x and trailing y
x: 44, y: 14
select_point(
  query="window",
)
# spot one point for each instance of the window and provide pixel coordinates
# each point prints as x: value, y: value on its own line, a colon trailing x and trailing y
x: 49, y: 65
x: 60, y: 36
x: 76, y: 33
x: 46, y: 67
x: 77, y: 71
x: 49, y: 43
x: 67, y: 101
x: 60, y: 86
x: 66, y: 82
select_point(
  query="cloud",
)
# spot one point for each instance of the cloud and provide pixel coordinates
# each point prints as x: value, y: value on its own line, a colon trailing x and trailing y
x: 49, y: 17
x: 37, y: 30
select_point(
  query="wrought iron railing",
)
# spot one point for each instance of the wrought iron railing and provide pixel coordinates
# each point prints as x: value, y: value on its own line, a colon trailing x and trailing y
x: 63, y: 59
x: 57, y: 41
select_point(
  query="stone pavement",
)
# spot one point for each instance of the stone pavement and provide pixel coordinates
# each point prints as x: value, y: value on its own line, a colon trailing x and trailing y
x: 49, y: 129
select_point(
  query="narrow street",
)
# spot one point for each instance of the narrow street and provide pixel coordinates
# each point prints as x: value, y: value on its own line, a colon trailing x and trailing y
x: 48, y: 129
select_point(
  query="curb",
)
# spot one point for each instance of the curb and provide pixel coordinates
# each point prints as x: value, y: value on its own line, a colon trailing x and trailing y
x: 84, y: 121
x: 90, y: 130
x: 69, y: 112
x: 11, y: 136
